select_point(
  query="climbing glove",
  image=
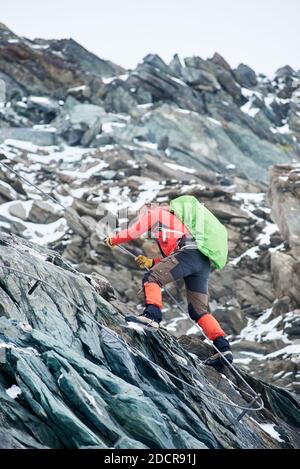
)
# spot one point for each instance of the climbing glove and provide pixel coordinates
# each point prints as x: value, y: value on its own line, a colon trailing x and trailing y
x: 108, y: 241
x: 144, y: 262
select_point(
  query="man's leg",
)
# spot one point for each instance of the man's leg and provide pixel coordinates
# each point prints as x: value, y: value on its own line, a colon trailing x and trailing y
x: 197, y: 296
x: 166, y: 271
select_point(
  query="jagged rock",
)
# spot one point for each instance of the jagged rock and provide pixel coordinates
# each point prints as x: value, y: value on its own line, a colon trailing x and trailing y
x: 200, y: 79
x: 74, y: 371
x: 155, y: 61
x: 91, y: 134
x: 245, y: 76
x: 284, y: 196
x: 254, y: 293
x: 176, y: 66
x: 143, y: 96
x: 120, y: 100
x: 163, y: 86
x: 219, y: 60
x: 281, y: 306
x: 76, y: 224
x: 43, y: 212
x: 285, y: 71
x: 285, y: 272
x: 7, y: 193
x: 85, y: 114
x: 227, y: 82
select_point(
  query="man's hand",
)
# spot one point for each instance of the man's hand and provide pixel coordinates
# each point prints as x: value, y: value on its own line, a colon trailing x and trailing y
x: 108, y: 241
x: 144, y: 262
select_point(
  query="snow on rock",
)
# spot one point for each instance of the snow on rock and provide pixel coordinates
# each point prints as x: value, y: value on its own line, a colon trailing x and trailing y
x: 270, y: 429
x: 262, y: 330
x: 137, y: 327
x: 249, y: 109
x: 251, y: 252
x: 286, y: 351
x: 14, y: 391
x: 214, y: 121
x: 178, y: 167
x: 268, y: 231
x: 42, y: 234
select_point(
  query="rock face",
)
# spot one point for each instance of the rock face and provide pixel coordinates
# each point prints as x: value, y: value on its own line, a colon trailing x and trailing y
x: 284, y: 196
x: 69, y: 377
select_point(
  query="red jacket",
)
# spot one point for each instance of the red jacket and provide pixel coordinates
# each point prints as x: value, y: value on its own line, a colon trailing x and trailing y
x: 163, y: 226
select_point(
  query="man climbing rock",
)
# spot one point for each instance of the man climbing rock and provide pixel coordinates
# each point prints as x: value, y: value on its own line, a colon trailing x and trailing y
x: 191, y: 240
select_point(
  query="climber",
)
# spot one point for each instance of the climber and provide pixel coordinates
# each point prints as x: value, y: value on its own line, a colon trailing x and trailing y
x: 188, y: 250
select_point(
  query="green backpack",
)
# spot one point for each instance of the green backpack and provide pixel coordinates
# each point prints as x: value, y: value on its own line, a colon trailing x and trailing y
x: 209, y: 233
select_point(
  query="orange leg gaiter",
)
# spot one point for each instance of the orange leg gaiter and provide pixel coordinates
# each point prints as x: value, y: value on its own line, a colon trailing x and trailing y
x: 211, y: 327
x: 153, y: 294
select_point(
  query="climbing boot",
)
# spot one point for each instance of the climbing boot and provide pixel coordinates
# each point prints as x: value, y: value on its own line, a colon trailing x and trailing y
x: 151, y: 317
x: 217, y: 359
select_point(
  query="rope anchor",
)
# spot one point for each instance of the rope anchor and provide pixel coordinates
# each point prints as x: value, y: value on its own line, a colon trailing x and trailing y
x: 251, y: 404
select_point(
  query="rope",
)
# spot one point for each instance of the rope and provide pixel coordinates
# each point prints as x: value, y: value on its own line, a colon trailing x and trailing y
x: 33, y: 185
x: 255, y: 395
x: 130, y: 347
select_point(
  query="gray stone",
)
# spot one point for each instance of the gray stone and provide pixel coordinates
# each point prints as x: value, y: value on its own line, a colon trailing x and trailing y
x: 155, y: 61
x: 176, y: 66
x: 285, y: 272
x: 219, y: 60
x: 120, y: 100
x: 90, y: 135
x: 284, y: 196
x: 37, y: 137
x: 227, y: 82
x: 86, y: 114
x: 245, y: 76
x: 18, y: 210
x: 200, y: 79
x: 43, y: 212
x: 7, y: 193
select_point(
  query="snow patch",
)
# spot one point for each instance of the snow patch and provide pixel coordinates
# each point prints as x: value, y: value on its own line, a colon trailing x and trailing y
x: 137, y: 327
x: 270, y: 429
x: 289, y: 350
x: 262, y: 330
x: 92, y: 401
x: 178, y: 167
x: 14, y: 391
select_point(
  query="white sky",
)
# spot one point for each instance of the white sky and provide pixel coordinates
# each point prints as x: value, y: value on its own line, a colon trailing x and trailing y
x: 265, y: 34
